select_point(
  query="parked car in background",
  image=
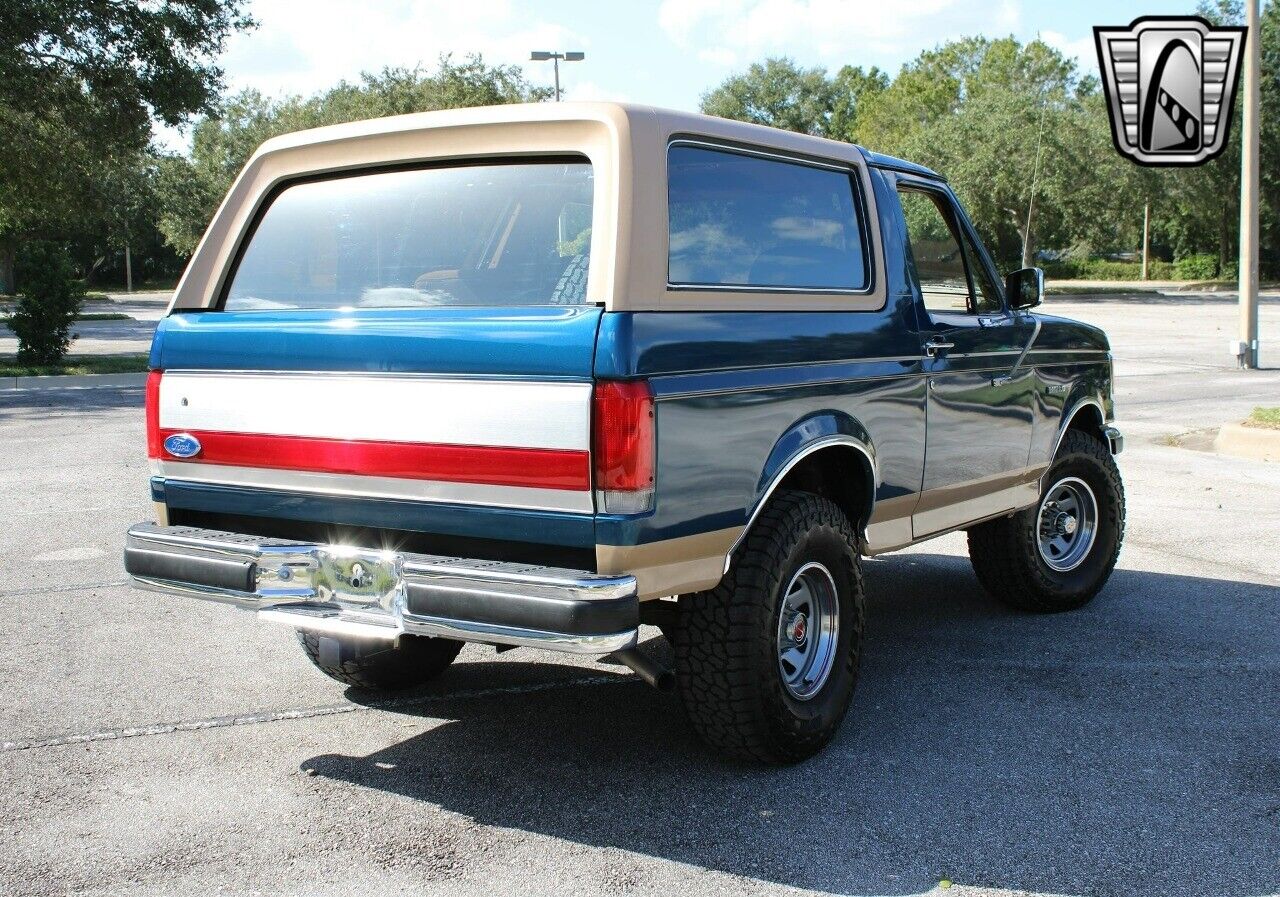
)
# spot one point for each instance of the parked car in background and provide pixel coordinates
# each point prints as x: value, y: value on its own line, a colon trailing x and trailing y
x: 537, y: 375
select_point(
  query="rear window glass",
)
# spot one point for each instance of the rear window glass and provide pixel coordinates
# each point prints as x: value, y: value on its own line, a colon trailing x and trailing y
x: 491, y: 234
x: 742, y: 220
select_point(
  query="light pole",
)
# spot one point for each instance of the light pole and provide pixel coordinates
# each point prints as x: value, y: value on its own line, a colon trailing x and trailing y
x: 1247, y: 348
x: 544, y: 55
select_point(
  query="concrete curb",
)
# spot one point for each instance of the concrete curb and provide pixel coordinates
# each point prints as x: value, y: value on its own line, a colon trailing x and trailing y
x: 1257, y: 443
x: 72, y: 381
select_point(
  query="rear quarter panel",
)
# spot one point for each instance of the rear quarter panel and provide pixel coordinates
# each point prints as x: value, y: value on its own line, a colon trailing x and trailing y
x: 739, y: 392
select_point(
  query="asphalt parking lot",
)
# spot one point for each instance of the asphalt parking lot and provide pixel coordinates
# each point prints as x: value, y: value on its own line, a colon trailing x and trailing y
x: 155, y: 746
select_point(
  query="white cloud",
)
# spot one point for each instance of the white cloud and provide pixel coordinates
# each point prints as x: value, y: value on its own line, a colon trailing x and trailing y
x: 1083, y: 49
x: 721, y: 56
x: 305, y: 46
x: 301, y: 48
x: 589, y: 91
x: 829, y: 31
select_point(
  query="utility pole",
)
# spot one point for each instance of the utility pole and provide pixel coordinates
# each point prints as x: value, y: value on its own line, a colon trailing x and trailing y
x: 1146, y: 238
x: 128, y: 270
x: 1247, y: 348
x: 555, y: 57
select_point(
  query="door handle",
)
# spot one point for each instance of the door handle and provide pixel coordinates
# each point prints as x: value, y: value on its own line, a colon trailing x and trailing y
x: 937, y: 344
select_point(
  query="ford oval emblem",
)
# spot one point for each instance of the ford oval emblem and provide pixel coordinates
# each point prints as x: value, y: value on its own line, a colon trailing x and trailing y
x: 182, y: 445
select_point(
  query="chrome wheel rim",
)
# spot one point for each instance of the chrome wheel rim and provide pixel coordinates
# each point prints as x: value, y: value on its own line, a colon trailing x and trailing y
x: 1067, y: 524
x: 808, y: 631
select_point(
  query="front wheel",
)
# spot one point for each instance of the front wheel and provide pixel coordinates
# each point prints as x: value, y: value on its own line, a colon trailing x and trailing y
x: 1057, y: 554
x: 767, y: 661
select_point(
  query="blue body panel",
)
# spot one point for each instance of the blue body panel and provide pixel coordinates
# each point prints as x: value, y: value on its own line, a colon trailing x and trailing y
x: 733, y: 386
x: 538, y: 342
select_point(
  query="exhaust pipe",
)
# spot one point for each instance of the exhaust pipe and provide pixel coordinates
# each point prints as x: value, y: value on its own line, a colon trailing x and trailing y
x: 646, y: 668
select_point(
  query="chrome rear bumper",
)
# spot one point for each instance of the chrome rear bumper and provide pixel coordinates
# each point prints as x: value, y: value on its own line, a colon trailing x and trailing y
x: 363, y: 593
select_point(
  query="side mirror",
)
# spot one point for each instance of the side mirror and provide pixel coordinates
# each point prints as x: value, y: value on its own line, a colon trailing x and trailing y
x: 1025, y: 287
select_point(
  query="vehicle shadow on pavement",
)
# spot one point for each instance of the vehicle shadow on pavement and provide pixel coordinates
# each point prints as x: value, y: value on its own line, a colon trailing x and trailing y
x: 1127, y: 748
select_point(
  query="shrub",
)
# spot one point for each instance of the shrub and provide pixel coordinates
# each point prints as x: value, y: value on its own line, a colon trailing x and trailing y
x: 1106, y: 269
x: 50, y: 300
x: 1196, y: 267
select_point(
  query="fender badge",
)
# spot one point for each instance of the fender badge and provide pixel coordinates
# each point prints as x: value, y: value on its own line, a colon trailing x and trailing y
x: 182, y: 445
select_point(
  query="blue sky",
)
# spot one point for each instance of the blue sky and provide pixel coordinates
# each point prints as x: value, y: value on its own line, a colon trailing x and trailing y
x: 661, y: 52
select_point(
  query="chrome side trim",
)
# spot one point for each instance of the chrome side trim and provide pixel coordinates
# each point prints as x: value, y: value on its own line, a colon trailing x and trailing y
x: 1072, y: 351
x: 826, y: 442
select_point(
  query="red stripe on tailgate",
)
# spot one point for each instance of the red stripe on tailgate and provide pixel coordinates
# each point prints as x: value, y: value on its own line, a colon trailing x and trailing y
x: 490, y: 465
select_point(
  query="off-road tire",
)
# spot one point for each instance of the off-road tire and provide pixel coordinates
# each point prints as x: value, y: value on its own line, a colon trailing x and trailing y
x: 726, y: 653
x: 1004, y: 552
x: 379, y: 665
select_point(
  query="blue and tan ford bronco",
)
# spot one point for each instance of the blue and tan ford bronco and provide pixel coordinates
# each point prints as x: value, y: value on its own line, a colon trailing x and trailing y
x: 537, y: 375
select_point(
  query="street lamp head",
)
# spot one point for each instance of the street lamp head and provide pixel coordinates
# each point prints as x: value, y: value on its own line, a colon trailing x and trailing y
x: 544, y: 55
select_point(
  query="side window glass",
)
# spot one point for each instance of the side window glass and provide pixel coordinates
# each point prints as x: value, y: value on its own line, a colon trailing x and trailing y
x: 988, y: 297
x: 944, y: 259
x: 940, y: 262
x: 738, y: 220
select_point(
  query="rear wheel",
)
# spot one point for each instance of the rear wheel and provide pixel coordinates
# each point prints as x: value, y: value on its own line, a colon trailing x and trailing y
x: 378, y: 665
x: 767, y: 661
x: 1057, y: 554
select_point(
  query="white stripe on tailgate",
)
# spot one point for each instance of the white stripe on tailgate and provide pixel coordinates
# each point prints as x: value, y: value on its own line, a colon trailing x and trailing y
x: 380, y: 407
x: 377, y: 487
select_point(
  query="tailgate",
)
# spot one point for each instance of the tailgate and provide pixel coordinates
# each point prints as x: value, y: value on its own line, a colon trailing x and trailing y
x: 479, y: 407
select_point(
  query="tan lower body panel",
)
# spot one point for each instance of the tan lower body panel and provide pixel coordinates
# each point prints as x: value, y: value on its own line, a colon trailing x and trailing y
x: 890, y: 524
x: 953, y: 506
x: 672, y: 566
x: 696, y: 563
x: 162, y: 513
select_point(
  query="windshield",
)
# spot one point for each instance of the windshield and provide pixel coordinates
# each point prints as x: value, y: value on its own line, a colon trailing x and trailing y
x: 487, y: 234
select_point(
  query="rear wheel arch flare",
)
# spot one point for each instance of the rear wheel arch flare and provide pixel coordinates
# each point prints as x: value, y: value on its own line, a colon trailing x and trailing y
x: 818, y: 455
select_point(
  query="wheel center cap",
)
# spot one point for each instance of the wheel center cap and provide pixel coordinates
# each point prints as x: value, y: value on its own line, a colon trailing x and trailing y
x: 798, y: 629
x: 1066, y: 524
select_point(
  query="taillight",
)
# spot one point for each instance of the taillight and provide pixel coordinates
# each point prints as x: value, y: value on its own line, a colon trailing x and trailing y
x: 622, y: 446
x: 153, y: 414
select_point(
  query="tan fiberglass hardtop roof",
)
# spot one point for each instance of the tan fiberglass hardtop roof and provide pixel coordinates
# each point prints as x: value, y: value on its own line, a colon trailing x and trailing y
x: 625, y: 144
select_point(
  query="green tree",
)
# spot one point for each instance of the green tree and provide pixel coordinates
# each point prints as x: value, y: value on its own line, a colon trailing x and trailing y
x: 780, y: 94
x: 851, y: 88
x: 190, y: 188
x: 79, y: 83
x: 1022, y: 137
